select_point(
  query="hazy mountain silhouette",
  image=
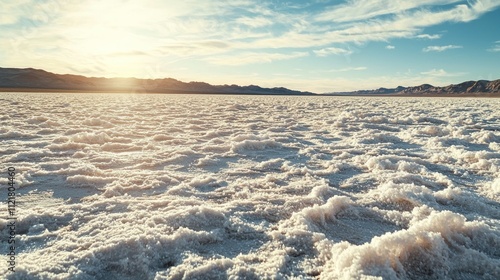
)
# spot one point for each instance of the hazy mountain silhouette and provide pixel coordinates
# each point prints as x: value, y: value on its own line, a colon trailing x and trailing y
x: 469, y: 87
x: 36, y: 79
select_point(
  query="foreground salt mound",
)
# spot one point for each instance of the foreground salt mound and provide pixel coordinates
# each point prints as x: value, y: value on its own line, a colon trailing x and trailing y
x: 442, y: 245
x: 222, y: 187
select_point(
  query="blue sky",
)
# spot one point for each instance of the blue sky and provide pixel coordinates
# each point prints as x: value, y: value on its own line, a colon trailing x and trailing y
x: 320, y: 46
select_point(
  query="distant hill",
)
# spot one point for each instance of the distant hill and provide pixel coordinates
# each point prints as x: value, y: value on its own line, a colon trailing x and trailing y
x: 465, y: 88
x: 36, y: 79
x: 30, y: 79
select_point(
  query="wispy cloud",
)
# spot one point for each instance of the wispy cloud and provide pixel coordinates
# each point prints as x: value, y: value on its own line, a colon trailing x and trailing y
x: 495, y: 47
x: 441, y: 73
x: 14, y: 11
x: 252, y: 58
x: 7, y: 19
x: 332, y: 50
x: 361, y: 10
x: 409, y: 23
x: 99, y: 28
x: 428, y: 36
x: 255, y: 22
x: 440, y: 48
x: 356, y: 26
x: 349, y: 69
x: 390, y: 47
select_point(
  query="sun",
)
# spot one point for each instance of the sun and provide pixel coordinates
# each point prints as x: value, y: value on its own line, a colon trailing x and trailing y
x: 112, y: 34
x: 110, y: 28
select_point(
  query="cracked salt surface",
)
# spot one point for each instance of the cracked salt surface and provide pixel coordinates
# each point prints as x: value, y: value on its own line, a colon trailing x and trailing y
x: 252, y: 187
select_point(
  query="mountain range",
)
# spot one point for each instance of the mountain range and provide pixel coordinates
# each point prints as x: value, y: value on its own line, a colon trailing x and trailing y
x: 29, y: 79
x: 481, y: 87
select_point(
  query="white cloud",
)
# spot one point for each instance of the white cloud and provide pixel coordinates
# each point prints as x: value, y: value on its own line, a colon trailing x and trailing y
x: 441, y: 73
x: 97, y: 27
x: 6, y: 18
x: 440, y: 48
x: 13, y: 11
x: 349, y: 69
x: 252, y: 58
x: 495, y: 47
x: 96, y: 32
x: 361, y: 10
x: 254, y: 22
x: 332, y: 50
x: 399, y: 25
x: 390, y: 47
x: 408, y: 23
x: 428, y: 36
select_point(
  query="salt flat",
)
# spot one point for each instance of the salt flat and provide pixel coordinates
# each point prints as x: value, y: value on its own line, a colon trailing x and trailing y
x: 123, y: 186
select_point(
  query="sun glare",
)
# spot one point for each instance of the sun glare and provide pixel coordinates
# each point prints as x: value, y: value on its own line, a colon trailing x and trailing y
x: 110, y: 28
x: 111, y: 34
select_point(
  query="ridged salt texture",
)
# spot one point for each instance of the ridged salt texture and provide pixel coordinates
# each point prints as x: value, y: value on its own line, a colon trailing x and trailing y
x: 118, y: 186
